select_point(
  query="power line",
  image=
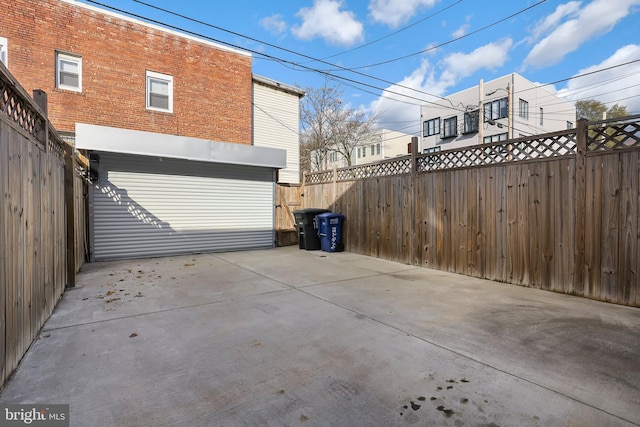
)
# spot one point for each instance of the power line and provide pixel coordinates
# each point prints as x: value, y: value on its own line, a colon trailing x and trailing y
x: 395, y: 32
x: 311, y: 58
x: 281, y: 60
x: 493, y: 24
x: 337, y: 77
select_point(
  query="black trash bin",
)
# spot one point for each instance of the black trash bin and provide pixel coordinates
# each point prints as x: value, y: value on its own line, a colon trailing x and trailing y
x: 307, y: 228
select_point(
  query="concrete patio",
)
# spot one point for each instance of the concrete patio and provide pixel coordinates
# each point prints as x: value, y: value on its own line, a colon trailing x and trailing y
x: 289, y: 337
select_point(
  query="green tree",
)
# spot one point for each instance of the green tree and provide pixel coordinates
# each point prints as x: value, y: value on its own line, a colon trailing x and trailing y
x: 594, y: 110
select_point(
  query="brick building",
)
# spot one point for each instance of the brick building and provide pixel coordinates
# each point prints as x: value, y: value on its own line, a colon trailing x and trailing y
x: 168, y: 119
x: 103, y: 69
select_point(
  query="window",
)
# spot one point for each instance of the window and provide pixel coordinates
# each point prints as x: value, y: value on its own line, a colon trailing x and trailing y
x: 359, y: 153
x: 431, y: 127
x: 364, y: 151
x: 495, y: 110
x: 68, y: 72
x: 159, y: 92
x: 471, y: 121
x: 495, y: 138
x: 569, y: 125
x: 541, y: 116
x: 450, y: 127
x: 4, y: 51
x: 378, y: 149
x: 524, y: 109
x: 431, y: 150
x: 373, y: 149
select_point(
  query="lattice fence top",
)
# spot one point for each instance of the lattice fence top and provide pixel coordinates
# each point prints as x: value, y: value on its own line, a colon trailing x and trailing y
x: 516, y: 150
x: 537, y: 147
x: 614, y: 134
x: 19, y: 109
x: 55, y: 144
x: 396, y: 166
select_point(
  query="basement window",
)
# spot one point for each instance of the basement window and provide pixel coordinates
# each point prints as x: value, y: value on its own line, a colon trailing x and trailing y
x: 68, y: 72
x: 159, y: 92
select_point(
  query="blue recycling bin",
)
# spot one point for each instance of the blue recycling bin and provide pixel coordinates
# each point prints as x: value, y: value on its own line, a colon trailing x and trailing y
x: 330, y: 231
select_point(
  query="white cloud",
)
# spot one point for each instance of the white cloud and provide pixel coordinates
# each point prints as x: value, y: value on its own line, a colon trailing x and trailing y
x: 275, y: 24
x: 393, y: 107
x: 462, y: 30
x: 619, y: 85
x: 456, y: 66
x: 490, y: 56
x: 326, y: 20
x: 598, y: 17
x: 396, y: 12
x: 549, y: 23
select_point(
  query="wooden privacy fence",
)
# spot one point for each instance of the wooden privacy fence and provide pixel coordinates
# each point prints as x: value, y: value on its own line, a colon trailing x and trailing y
x: 288, y: 198
x: 558, y: 211
x: 33, y: 221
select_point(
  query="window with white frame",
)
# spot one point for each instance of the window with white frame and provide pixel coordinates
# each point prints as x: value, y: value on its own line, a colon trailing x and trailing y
x: 378, y: 149
x: 471, y: 121
x: 373, y: 149
x: 159, y: 92
x: 68, y: 72
x: 495, y: 110
x: 431, y: 127
x: 495, y: 138
x: 4, y: 51
x: 450, y: 127
x: 541, y: 116
x: 524, y: 109
x: 569, y: 125
x: 432, y: 149
x: 359, y: 152
x: 364, y: 151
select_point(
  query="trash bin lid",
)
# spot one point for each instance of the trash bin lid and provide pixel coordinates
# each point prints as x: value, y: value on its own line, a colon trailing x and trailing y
x: 310, y: 211
x: 330, y: 215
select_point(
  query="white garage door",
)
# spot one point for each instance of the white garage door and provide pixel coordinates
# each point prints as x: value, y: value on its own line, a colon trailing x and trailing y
x: 149, y: 206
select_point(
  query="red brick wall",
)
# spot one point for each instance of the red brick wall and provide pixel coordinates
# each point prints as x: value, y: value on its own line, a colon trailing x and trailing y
x: 211, y: 87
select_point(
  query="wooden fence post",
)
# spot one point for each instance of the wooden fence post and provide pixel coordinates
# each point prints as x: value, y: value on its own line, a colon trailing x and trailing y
x: 413, y: 259
x: 581, y: 200
x: 335, y: 189
x: 69, y: 166
x: 40, y: 99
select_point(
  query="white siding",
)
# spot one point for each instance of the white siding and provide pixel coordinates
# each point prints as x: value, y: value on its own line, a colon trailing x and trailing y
x: 276, y: 116
x: 556, y: 112
x: 147, y: 206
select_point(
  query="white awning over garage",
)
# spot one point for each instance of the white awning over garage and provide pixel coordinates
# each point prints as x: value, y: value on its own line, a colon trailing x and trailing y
x: 187, y: 197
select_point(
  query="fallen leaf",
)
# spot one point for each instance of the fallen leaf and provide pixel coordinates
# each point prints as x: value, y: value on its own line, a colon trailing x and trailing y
x: 110, y: 292
x: 111, y: 300
x: 133, y: 335
x: 188, y: 265
x: 139, y: 294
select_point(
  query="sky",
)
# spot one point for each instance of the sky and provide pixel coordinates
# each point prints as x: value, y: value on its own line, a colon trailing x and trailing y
x: 390, y: 56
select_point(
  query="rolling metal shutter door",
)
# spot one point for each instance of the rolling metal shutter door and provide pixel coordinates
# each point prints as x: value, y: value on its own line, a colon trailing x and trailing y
x: 146, y: 207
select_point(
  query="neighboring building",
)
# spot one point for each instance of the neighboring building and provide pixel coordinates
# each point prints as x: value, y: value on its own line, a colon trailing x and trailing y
x: 276, y: 122
x: 505, y: 108
x: 168, y: 121
x: 384, y: 144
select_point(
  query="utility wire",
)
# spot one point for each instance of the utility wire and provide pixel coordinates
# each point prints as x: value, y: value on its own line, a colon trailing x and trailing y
x: 395, y: 32
x: 193, y: 33
x: 493, y: 24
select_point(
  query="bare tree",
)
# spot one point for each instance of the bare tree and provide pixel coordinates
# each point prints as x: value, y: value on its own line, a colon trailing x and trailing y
x: 329, y: 126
